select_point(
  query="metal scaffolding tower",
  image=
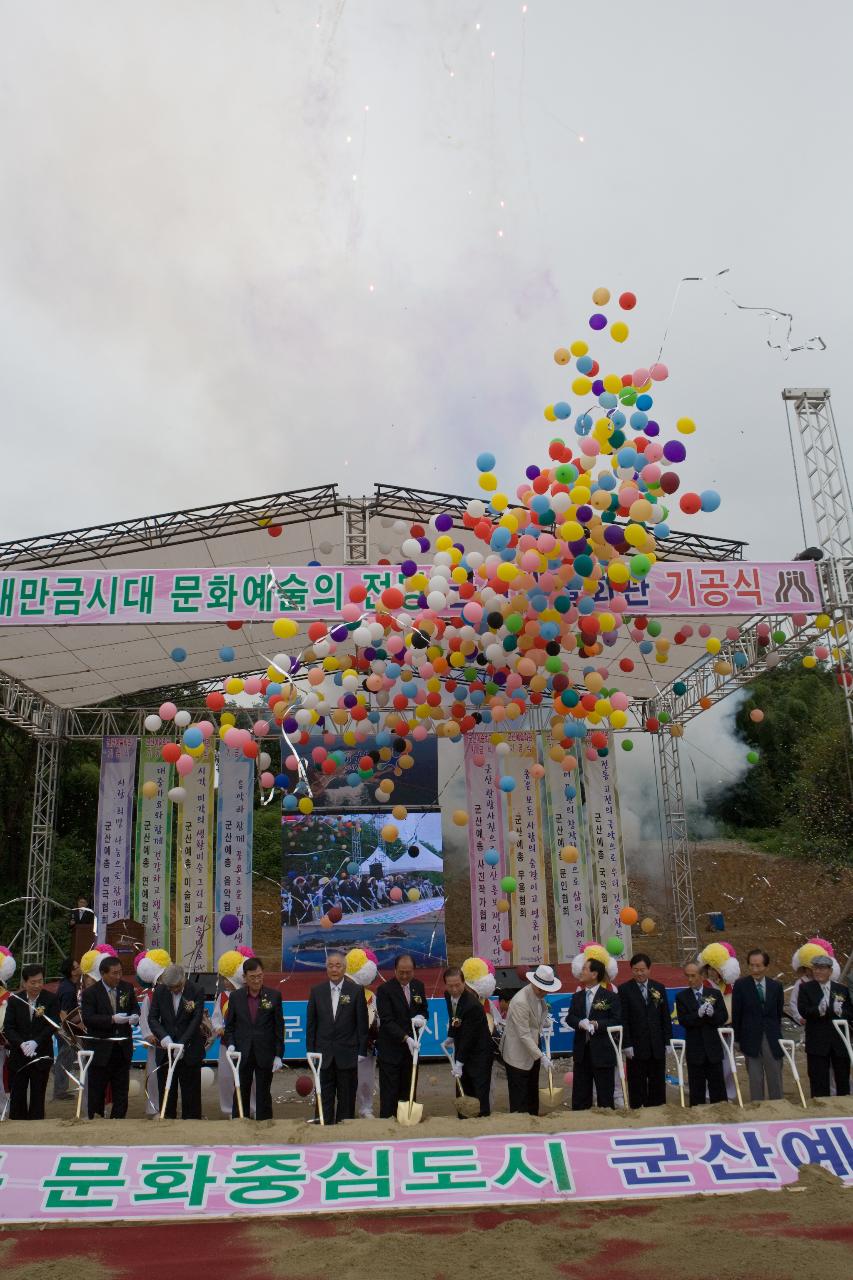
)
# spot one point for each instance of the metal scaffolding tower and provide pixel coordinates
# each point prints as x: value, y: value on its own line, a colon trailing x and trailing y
x: 42, y: 836
x: 356, y: 513
x: 676, y: 844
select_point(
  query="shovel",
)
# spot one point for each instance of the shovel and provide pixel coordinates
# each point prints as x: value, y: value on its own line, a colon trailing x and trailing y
x: 84, y: 1062
x: 174, y: 1052
x: 787, y: 1047
x: 678, y: 1048
x: 727, y: 1036
x: 549, y: 1097
x: 844, y: 1031
x: 235, y: 1057
x: 411, y: 1112
x: 466, y: 1107
x: 315, y: 1062
x: 614, y: 1035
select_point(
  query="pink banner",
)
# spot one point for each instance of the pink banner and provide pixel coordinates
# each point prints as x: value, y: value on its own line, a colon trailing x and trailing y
x: 69, y: 1183
x: 485, y: 831
x: 209, y: 595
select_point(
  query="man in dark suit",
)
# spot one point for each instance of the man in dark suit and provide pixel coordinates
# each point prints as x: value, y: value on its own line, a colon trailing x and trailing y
x: 700, y: 1011
x: 337, y: 1028
x: 820, y: 1003
x: 757, y: 1004
x: 468, y: 1029
x: 646, y: 1030
x: 32, y: 1015
x: 402, y: 1008
x: 177, y: 1008
x: 254, y: 1025
x: 592, y: 1011
x: 82, y: 913
x: 110, y: 1012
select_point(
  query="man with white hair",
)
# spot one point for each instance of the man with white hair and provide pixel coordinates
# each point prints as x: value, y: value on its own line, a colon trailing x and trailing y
x: 526, y: 1019
x: 821, y: 1003
x: 177, y: 1008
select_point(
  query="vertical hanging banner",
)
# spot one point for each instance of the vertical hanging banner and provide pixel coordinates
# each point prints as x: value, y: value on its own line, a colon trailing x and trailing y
x: 114, y: 846
x: 608, y: 882
x: 234, y: 848
x: 152, y: 884
x: 569, y: 881
x: 525, y: 854
x: 485, y: 831
x: 194, y: 881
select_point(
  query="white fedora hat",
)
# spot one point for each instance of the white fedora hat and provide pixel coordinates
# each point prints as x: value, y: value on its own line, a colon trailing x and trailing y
x: 544, y: 978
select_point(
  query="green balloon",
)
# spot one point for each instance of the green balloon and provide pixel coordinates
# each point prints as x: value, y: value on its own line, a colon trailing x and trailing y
x: 654, y: 628
x: 509, y: 884
x: 752, y: 757
x: 514, y: 622
x: 639, y: 565
x: 615, y: 946
x: 627, y: 744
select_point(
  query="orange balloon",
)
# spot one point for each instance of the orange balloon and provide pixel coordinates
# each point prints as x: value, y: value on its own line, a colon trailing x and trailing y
x: 648, y: 925
x: 628, y: 915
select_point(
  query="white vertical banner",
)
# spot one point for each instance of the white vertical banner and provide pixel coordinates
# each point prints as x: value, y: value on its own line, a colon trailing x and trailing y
x: 608, y: 882
x: 525, y: 854
x: 114, y: 842
x: 485, y: 831
x: 194, y: 879
x: 152, y: 884
x: 234, y: 848
x: 568, y: 879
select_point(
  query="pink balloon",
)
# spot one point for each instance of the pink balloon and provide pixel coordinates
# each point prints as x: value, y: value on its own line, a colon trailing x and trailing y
x: 252, y: 684
x: 473, y: 610
x: 658, y: 373
x: 184, y: 765
x: 232, y: 737
x: 419, y: 732
x: 640, y: 377
x: 206, y: 729
x: 267, y: 780
x: 291, y: 763
x: 168, y: 711
x: 260, y: 728
x: 351, y: 612
x: 619, y: 701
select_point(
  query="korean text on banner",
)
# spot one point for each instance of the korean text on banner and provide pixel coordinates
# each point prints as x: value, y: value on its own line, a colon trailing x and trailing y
x: 234, y: 847
x: 569, y: 880
x: 608, y: 882
x: 485, y: 831
x: 114, y: 845
x: 525, y: 854
x: 194, y: 881
x: 152, y: 884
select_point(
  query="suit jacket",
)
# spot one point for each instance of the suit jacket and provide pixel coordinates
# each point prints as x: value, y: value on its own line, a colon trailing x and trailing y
x: 185, y: 1026
x: 526, y: 1019
x: 395, y: 1017
x: 753, y: 1020
x: 472, y: 1039
x: 341, y: 1039
x: 701, y: 1037
x: 821, y: 1037
x: 605, y: 1012
x: 646, y: 1027
x: 19, y: 1026
x: 102, y: 1034
x: 265, y: 1035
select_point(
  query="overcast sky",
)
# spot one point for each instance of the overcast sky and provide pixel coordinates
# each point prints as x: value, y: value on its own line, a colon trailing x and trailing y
x: 221, y: 273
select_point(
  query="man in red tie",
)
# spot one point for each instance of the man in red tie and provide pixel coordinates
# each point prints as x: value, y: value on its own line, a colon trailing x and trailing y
x: 401, y: 1007
x: 254, y: 1025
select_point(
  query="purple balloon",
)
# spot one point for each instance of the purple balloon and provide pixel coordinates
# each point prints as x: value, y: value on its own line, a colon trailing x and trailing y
x: 598, y: 387
x: 229, y: 924
x: 598, y: 321
x: 443, y: 522
x: 674, y: 451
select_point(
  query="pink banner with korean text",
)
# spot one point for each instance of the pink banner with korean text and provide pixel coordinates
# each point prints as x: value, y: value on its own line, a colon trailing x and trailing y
x: 68, y: 597
x: 234, y: 849
x: 607, y: 876
x: 569, y: 880
x: 525, y: 850
x: 114, y: 840
x: 485, y: 833
x: 194, y: 921
x: 56, y: 1183
x: 152, y: 885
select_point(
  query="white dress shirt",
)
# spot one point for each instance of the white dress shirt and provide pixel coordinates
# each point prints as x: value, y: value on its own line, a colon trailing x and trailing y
x: 336, y: 995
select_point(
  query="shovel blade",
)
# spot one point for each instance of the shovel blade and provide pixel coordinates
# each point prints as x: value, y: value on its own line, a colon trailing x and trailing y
x: 407, y: 1114
x: 468, y: 1108
x: 550, y: 1097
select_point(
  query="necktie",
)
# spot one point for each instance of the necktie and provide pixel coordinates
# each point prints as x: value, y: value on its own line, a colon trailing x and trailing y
x: 336, y: 995
x: 112, y: 995
x: 644, y: 987
x: 453, y: 1004
x: 589, y: 996
x: 759, y: 987
x: 407, y: 993
x: 700, y: 995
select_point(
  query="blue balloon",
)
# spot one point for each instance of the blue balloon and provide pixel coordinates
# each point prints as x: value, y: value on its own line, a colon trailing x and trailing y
x: 226, y: 653
x: 607, y: 400
x: 178, y: 655
x: 491, y: 857
x: 710, y: 500
x: 485, y: 461
x: 352, y: 868
x: 507, y: 784
x: 562, y: 410
x: 281, y: 780
x: 289, y: 802
x: 193, y: 737
x: 639, y: 420
x: 570, y: 791
x: 644, y: 402
x: 617, y: 417
x: 584, y: 364
x: 661, y: 530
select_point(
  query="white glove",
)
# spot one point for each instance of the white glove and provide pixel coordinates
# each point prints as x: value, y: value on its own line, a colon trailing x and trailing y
x: 707, y: 1009
x: 276, y: 1065
x: 133, y: 1020
x: 547, y: 1063
x: 823, y: 1006
x: 28, y: 1048
x: 456, y: 1070
x: 361, y: 1057
x: 418, y: 1021
x: 411, y: 1044
x: 232, y: 1052
x: 166, y: 1042
x: 585, y: 1025
x: 120, y: 1018
x: 838, y: 1005
x: 629, y: 1052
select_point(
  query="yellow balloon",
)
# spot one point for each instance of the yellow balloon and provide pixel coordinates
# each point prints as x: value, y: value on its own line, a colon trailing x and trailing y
x: 579, y: 348
x: 601, y: 297
x: 686, y: 426
x: 613, y: 383
x: 569, y: 853
x: 549, y: 413
x: 713, y: 645
x: 581, y: 386
x: 149, y: 789
x: 488, y: 481
x: 460, y: 817
x: 306, y: 804
x: 285, y: 628
x: 619, y: 331
x: 233, y: 685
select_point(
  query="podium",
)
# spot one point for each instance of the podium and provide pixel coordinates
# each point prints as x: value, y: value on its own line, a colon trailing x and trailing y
x: 128, y: 939
x: 82, y: 938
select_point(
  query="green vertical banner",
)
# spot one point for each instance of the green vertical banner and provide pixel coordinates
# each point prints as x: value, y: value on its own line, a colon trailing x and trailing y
x: 194, y: 880
x: 152, y: 882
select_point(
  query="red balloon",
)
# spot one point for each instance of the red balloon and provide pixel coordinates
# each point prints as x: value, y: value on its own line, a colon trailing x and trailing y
x: 652, y: 724
x: 506, y: 944
x: 216, y: 701
x: 627, y: 301
x: 251, y: 750
x: 358, y: 593
x: 334, y: 914
x: 392, y: 598
x: 235, y: 624
x: 171, y: 752
x: 316, y: 631
x: 669, y: 481
x: 275, y: 530
x: 304, y: 1086
x: 690, y: 503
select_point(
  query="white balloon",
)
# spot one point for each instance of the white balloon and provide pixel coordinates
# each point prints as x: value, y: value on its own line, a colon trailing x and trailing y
x: 361, y: 636
x: 207, y: 1075
x: 474, y: 559
x: 502, y: 749
x: 436, y: 600
x: 282, y: 662
x: 153, y: 724
x: 442, y: 557
x: 377, y: 631
x: 326, y: 548
x: 560, y: 502
x: 476, y: 508
x: 399, y: 526
x: 321, y: 648
x: 182, y: 719
x: 303, y: 717
x: 411, y: 548
x: 177, y: 795
x: 264, y: 761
